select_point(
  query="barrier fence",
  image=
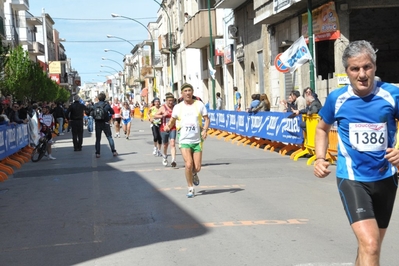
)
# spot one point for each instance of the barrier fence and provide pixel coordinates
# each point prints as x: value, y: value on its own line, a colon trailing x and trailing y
x: 14, y: 148
x: 273, y: 131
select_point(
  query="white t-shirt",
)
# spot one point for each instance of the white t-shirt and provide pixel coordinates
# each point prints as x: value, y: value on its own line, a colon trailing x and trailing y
x: 190, y: 117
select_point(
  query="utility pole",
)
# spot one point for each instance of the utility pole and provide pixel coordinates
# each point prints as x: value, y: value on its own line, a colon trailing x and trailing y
x: 211, y: 55
x: 45, y: 39
x: 310, y: 38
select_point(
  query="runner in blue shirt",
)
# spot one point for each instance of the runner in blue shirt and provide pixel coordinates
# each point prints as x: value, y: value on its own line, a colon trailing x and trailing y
x: 365, y: 112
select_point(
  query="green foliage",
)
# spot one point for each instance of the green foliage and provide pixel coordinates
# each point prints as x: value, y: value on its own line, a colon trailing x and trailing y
x: 62, y: 95
x: 25, y: 80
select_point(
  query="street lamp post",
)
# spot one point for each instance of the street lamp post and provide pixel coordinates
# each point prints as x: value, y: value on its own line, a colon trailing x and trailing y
x: 152, y: 39
x: 117, y: 71
x: 123, y: 75
x: 112, y: 74
x: 152, y: 46
x: 170, y: 40
x: 104, y: 58
x: 110, y: 50
x: 211, y: 54
x: 116, y: 37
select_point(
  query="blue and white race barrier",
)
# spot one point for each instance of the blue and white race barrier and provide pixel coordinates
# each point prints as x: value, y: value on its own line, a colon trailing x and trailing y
x: 12, y: 139
x: 274, y: 126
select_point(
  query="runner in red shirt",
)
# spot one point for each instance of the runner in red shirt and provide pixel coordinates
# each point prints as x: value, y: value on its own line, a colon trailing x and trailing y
x: 116, y: 106
x: 165, y: 113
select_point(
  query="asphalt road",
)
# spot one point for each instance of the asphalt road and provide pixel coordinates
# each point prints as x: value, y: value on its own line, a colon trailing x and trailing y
x: 253, y: 207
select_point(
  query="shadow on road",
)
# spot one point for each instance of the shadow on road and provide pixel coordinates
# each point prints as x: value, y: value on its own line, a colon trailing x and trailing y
x: 218, y: 191
x: 71, y: 211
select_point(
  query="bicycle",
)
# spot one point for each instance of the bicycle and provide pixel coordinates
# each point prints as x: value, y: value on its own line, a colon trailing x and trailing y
x: 41, y: 148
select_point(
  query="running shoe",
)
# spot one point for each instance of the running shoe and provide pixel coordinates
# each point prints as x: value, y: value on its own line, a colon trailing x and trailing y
x: 97, y: 155
x: 155, y: 151
x: 115, y: 153
x: 159, y: 154
x: 191, y: 193
x: 127, y: 137
x: 195, y: 179
x: 51, y: 157
x: 173, y: 164
x: 165, y: 160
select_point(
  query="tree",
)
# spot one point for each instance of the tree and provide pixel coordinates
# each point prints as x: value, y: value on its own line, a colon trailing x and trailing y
x: 25, y: 80
x: 17, y: 71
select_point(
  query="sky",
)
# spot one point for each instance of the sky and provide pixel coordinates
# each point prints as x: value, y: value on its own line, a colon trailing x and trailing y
x: 85, y: 24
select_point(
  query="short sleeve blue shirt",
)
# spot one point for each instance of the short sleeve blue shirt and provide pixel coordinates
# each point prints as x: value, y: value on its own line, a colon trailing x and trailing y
x: 378, y: 109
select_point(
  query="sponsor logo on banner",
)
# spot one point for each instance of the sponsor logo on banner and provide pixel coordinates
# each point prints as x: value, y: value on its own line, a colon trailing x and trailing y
x: 325, y: 23
x: 274, y: 126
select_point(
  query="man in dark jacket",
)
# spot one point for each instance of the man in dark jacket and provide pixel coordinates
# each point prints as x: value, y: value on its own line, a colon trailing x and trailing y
x: 14, y: 115
x: 103, y: 124
x: 75, y: 116
x: 59, y: 117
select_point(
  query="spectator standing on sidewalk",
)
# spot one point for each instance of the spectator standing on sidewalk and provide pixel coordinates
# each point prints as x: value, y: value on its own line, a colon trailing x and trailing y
x: 219, y: 101
x: 89, y: 107
x: 59, y: 116
x: 102, y: 123
x: 366, y: 112
x: 75, y: 115
x: 237, y: 99
x: 193, y: 132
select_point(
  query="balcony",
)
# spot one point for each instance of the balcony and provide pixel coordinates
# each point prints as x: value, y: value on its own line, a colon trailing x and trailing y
x: 196, y: 30
x: 271, y: 14
x: 164, y: 43
x: 233, y: 4
x: 20, y: 4
x: 37, y: 49
x: 158, y: 62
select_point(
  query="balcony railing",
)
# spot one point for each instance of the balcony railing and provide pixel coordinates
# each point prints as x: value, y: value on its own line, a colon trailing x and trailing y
x: 196, y: 30
x: 164, y: 43
x: 157, y: 61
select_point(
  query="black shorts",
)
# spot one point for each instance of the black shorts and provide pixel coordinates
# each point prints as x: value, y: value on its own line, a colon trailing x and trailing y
x: 118, y: 120
x: 368, y: 200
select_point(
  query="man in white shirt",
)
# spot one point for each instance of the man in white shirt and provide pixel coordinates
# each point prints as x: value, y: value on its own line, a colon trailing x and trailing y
x: 193, y: 132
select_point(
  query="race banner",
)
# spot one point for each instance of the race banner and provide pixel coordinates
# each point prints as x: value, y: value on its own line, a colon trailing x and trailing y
x: 275, y: 126
x: 325, y: 23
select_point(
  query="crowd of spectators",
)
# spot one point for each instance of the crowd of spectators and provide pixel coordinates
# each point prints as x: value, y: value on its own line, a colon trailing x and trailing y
x: 259, y: 103
x: 14, y: 112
